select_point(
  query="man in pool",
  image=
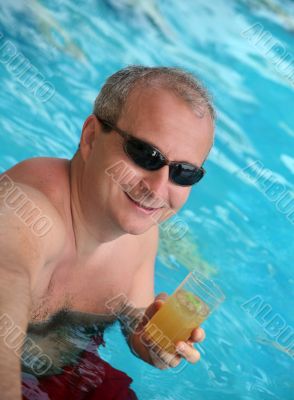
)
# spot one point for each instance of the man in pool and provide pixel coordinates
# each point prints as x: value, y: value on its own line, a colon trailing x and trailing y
x: 79, y: 237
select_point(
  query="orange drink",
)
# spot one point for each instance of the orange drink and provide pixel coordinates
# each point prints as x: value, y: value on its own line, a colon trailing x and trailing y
x: 183, y: 311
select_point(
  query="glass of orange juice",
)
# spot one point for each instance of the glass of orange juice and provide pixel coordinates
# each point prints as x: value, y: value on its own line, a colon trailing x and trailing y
x: 191, y: 303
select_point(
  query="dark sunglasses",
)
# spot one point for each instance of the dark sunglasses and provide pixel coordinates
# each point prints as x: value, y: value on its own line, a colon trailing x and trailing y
x: 150, y: 158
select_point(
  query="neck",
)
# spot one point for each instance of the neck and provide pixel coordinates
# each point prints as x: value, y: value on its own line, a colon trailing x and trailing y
x: 89, y: 235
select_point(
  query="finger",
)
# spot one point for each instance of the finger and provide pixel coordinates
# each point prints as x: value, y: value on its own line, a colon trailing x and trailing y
x: 160, y: 357
x: 161, y: 296
x: 163, y: 359
x: 197, y: 335
x: 154, y: 307
x: 151, y: 344
x: 188, y: 352
x: 150, y: 311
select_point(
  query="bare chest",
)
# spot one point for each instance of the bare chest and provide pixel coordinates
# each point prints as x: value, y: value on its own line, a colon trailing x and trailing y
x: 86, y: 288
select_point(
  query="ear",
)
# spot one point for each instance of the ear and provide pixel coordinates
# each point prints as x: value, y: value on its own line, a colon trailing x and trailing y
x: 88, y: 136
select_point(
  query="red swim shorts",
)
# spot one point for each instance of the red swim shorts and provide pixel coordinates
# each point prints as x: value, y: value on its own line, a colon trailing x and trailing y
x: 90, y: 379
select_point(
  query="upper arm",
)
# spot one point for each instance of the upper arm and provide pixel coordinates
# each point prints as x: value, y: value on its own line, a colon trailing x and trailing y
x: 25, y: 247
x: 142, y: 289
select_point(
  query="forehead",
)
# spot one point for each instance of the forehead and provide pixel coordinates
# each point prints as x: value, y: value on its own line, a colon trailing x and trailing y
x: 168, y: 122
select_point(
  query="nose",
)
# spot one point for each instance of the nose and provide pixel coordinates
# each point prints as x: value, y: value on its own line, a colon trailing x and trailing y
x: 157, y: 182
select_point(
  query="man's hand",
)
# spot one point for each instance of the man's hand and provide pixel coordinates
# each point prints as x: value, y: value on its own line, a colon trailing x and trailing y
x: 145, y: 349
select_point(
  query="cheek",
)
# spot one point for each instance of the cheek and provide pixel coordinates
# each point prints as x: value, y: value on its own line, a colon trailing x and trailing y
x: 108, y: 164
x: 123, y: 173
x: 179, y: 197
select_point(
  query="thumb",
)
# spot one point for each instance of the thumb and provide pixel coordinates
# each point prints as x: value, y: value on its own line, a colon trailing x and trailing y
x: 161, y: 296
x: 154, y: 307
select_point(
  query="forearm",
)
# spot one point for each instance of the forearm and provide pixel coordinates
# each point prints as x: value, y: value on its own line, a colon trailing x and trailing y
x: 131, y: 320
x: 14, y: 306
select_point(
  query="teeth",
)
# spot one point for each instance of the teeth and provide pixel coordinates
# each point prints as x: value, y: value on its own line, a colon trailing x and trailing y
x: 140, y: 205
x: 126, y: 187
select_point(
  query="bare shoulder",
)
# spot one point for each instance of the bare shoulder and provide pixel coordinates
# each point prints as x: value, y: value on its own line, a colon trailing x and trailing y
x: 45, y: 174
x: 42, y: 181
x: 141, y: 293
x: 141, y: 246
x: 46, y: 178
x: 146, y: 251
x: 30, y: 226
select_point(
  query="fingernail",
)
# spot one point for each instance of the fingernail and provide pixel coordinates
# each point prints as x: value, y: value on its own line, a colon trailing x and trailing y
x: 181, y: 348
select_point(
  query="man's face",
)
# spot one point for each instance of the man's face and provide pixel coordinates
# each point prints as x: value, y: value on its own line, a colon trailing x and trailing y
x: 114, y: 181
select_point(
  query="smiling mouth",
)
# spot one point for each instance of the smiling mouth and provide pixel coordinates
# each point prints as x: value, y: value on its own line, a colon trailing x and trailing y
x: 144, y: 208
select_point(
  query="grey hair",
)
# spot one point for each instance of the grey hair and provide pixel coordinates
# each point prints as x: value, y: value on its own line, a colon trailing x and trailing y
x: 113, y: 96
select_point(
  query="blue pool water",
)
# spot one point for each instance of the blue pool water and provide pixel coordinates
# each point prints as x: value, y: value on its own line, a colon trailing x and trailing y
x: 238, y: 227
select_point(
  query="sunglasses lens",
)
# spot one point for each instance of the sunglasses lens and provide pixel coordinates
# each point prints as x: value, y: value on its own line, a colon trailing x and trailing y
x: 184, y: 174
x: 144, y: 155
x: 149, y: 158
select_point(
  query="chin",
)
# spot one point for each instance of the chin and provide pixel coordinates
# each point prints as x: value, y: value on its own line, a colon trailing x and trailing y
x: 136, y: 227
